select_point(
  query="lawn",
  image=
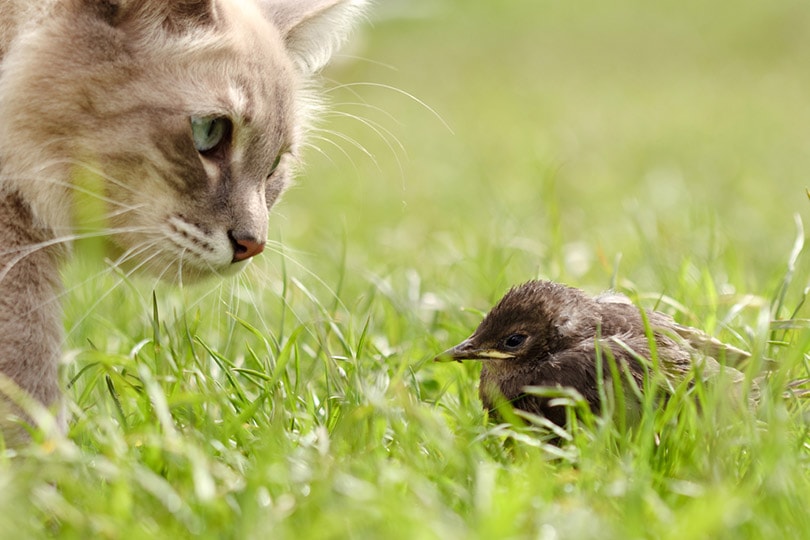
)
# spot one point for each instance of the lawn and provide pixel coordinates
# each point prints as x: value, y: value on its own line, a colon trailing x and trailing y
x: 659, y: 148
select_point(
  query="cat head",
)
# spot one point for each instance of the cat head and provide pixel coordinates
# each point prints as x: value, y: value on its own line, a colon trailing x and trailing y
x: 182, y: 119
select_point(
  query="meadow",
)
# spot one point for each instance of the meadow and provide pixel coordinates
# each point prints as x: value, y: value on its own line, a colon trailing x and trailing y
x: 658, y: 148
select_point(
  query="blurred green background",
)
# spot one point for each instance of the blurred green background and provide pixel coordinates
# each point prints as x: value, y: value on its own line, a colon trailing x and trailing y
x: 562, y: 135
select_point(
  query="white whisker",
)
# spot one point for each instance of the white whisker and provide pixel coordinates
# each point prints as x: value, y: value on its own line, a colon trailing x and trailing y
x: 352, y: 142
x: 399, y: 91
x: 374, y: 108
x: 30, y: 248
x: 385, y: 135
x: 285, y: 255
x: 26, y: 250
x: 91, y: 193
x: 121, y: 279
x: 111, y: 268
x: 98, y: 172
x: 367, y: 61
x: 336, y: 145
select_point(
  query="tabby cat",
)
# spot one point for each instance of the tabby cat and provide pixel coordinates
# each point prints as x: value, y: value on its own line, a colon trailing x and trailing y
x: 183, y: 119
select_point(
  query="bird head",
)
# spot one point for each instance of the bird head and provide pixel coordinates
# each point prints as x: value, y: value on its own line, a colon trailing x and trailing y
x: 532, y: 321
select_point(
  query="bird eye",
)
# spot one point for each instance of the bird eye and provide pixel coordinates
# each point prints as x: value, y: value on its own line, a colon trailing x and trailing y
x: 514, y: 341
x: 209, y: 132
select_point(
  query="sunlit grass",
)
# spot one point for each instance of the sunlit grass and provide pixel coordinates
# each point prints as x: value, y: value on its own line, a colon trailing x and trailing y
x: 657, y: 149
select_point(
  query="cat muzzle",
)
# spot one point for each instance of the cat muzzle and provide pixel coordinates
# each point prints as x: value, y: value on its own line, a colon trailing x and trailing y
x: 244, y: 247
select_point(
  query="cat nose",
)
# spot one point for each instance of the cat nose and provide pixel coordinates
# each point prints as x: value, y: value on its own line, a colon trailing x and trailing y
x: 244, y: 246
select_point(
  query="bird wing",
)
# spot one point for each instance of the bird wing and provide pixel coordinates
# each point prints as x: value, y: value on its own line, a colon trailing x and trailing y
x: 580, y: 367
x: 620, y: 315
x: 677, y: 361
x: 709, y: 345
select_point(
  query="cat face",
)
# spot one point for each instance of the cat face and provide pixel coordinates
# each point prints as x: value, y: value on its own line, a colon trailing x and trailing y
x: 181, y: 120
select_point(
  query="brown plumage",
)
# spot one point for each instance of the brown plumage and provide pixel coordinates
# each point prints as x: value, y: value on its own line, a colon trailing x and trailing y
x: 547, y: 334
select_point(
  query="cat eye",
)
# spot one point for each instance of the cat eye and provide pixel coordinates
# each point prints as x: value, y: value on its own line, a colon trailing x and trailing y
x: 514, y: 341
x: 209, y: 132
x: 275, y: 164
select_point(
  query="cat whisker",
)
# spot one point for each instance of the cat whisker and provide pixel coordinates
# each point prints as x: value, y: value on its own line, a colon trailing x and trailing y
x: 352, y: 142
x: 91, y: 193
x: 111, y: 268
x: 124, y: 210
x: 385, y: 135
x: 30, y: 248
x: 44, y: 176
x: 24, y: 251
x: 234, y: 304
x: 101, y: 174
x: 121, y: 279
x: 367, y: 61
x: 365, y: 105
x: 168, y: 266
x: 281, y: 252
x: 320, y: 150
x: 287, y: 305
x: 133, y: 252
x: 334, y: 144
x: 245, y: 283
x: 410, y: 96
x: 278, y: 244
x: 214, y: 271
x: 199, y: 299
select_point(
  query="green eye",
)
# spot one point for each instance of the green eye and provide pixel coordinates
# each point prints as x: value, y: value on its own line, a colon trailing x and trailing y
x: 209, y: 132
x: 274, y: 166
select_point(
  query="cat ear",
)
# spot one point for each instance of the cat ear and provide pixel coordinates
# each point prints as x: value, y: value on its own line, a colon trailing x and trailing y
x: 197, y: 12
x: 106, y: 10
x: 313, y: 29
x: 176, y: 15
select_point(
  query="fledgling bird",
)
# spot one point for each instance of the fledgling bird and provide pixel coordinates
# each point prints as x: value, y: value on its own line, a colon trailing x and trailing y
x: 546, y: 334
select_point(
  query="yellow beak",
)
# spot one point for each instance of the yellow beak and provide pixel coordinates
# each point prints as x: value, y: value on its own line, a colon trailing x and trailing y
x: 467, y: 350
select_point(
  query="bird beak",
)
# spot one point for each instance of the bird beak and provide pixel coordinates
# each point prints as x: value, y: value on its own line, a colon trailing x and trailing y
x: 466, y: 350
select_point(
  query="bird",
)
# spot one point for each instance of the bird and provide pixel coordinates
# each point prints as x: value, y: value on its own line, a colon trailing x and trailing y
x: 546, y: 334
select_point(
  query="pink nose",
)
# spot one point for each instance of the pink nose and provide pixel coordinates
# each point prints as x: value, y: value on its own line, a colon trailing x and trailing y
x: 245, y: 248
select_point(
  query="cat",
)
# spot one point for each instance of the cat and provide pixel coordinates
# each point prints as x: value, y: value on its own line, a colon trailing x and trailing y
x: 182, y: 121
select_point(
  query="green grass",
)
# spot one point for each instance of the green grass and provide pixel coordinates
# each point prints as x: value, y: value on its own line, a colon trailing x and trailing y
x: 659, y: 148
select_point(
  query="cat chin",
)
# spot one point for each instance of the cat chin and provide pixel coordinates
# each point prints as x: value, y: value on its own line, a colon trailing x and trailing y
x: 167, y: 265
x: 185, y: 273
x: 191, y: 275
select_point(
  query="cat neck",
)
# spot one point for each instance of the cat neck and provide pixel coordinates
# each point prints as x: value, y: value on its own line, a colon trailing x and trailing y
x: 30, y: 314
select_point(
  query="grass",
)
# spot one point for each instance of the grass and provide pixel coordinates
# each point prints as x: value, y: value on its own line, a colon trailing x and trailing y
x: 661, y: 149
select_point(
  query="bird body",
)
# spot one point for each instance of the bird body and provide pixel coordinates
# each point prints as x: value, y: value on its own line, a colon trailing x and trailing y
x: 546, y: 334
